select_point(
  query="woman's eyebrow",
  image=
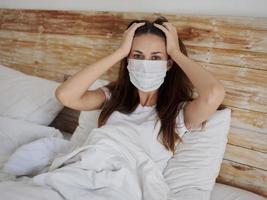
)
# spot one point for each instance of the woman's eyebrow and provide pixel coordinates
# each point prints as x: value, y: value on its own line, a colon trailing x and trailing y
x: 155, y: 52
x: 138, y: 51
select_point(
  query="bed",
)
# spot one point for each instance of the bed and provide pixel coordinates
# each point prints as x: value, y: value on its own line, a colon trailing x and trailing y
x: 39, y: 42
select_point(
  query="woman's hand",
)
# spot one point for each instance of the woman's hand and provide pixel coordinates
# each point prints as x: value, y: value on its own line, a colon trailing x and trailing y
x: 127, y: 39
x: 171, y: 37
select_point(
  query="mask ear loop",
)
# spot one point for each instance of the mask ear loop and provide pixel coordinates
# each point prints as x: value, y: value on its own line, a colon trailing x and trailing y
x: 170, y: 63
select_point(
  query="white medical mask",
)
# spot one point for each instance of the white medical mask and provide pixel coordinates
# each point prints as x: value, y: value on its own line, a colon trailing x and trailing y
x: 147, y: 75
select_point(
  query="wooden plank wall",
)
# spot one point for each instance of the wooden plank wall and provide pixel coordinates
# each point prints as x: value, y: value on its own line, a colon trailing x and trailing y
x: 56, y: 44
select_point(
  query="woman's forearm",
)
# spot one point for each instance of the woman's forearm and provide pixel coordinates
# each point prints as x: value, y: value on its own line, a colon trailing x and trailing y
x: 78, y: 84
x: 208, y: 87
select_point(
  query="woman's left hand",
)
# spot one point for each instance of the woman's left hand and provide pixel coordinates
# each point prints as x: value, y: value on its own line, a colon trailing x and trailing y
x: 171, y: 37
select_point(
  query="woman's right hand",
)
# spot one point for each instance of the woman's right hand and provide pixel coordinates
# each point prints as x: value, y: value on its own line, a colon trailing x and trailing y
x: 127, y: 39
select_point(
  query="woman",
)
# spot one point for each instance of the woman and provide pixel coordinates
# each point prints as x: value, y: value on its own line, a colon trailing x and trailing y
x: 154, y: 88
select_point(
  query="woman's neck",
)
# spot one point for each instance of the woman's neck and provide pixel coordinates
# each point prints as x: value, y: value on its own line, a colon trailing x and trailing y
x: 148, y: 98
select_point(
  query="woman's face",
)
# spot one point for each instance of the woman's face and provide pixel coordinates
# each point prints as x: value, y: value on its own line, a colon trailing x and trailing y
x: 148, y: 47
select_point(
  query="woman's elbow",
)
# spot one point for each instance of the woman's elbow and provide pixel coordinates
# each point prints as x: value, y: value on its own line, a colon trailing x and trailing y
x: 60, y: 95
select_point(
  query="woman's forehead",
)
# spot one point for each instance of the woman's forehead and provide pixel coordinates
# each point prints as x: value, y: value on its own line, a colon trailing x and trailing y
x: 149, y: 43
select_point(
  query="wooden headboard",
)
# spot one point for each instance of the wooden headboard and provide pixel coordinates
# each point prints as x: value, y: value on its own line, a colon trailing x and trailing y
x: 56, y: 44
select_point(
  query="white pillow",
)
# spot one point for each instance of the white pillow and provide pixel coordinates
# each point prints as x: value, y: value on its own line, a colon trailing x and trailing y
x: 35, y: 157
x: 28, y: 97
x: 219, y: 192
x: 15, y: 133
x: 87, y: 120
x: 227, y: 192
x: 196, y: 163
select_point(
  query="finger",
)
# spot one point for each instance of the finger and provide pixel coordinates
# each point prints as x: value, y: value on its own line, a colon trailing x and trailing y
x: 161, y: 27
x: 136, y: 25
x: 169, y: 26
x: 165, y: 24
x: 130, y: 27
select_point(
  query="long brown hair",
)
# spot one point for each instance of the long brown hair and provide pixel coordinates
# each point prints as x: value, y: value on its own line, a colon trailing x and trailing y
x: 175, y: 89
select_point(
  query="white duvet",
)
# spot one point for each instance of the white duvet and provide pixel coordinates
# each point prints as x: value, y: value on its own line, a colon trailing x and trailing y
x: 109, y: 165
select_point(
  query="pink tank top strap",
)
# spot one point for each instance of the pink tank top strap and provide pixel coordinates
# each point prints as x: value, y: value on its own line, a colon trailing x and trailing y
x: 107, y: 92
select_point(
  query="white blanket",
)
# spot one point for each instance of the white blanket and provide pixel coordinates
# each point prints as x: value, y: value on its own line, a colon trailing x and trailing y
x: 109, y: 165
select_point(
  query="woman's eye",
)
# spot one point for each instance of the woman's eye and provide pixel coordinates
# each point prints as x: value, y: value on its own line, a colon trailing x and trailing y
x: 137, y: 56
x: 156, y: 58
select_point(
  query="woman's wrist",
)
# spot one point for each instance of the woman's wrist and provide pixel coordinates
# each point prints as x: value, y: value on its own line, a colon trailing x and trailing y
x: 120, y: 53
x: 175, y: 55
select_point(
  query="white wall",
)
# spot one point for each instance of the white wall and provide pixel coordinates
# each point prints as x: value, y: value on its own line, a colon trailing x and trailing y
x: 253, y: 8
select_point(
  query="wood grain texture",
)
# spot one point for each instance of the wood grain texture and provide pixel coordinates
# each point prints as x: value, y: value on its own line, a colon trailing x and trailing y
x: 57, y: 44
